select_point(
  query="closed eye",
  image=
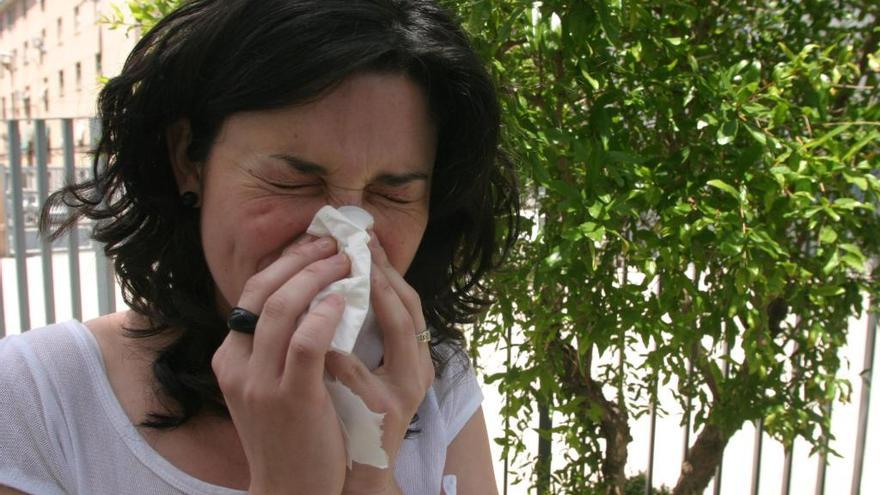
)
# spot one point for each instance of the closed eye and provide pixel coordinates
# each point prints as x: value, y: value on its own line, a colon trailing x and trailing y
x: 295, y: 186
x: 396, y: 199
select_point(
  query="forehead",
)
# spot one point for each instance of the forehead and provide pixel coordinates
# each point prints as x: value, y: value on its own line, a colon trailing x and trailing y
x: 368, y: 119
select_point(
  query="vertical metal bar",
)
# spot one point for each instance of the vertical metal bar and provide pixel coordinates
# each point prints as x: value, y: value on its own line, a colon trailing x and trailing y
x: 509, y: 356
x: 103, y: 265
x: 789, y: 449
x: 649, y: 475
x: 73, y: 233
x: 621, y: 348
x: 18, y: 232
x: 786, y: 470
x: 2, y: 310
x: 823, y: 457
x: 756, y: 457
x: 864, y: 401
x: 42, y: 194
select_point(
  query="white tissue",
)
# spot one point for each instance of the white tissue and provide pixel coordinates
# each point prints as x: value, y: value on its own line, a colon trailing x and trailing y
x: 361, y: 427
x: 348, y: 225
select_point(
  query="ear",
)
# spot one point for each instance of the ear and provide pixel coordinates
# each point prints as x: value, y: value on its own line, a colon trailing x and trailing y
x: 186, y: 173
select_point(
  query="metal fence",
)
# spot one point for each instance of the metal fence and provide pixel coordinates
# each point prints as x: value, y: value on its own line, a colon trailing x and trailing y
x: 33, y: 168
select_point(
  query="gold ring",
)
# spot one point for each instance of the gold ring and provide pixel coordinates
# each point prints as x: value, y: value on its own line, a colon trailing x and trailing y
x: 423, y: 336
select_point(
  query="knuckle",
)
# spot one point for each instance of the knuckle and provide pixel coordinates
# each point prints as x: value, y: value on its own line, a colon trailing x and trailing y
x: 295, y: 251
x: 314, y: 270
x: 381, y: 284
x: 350, y: 372
x: 275, y: 307
x: 304, y: 350
x: 323, y: 315
x: 217, y: 361
x: 226, y: 378
x: 251, y: 394
x: 410, y: 295
x: 253, y: 287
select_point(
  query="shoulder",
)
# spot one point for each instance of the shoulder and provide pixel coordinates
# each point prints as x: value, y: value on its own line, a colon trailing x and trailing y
x: 41, y: 350
x: 43, y: 364
x: 40, y: 368
x: 456, y: 388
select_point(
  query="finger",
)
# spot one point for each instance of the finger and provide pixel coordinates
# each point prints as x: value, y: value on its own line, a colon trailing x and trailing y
x: 407, y: 294
x: 352, y: 372
x: 306, y: 250
x: 396, y: 322
x: 304, y: 365
x: 283, y: 309
x: 291, y: 261
x: 229, y: 361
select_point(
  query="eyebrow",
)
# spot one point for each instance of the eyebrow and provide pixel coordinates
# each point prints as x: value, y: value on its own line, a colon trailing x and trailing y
x: 389, y: 179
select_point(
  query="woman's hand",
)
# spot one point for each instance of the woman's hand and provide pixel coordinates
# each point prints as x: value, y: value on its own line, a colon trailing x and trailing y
x: 273, y: 381
x: 398, y: 386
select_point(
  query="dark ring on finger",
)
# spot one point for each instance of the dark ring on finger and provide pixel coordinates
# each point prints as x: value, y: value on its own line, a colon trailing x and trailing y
x: 242, y: 320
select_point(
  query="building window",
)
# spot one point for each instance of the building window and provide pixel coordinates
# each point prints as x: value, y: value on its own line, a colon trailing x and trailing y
x: 24, y: 54
x: 27, y: 102
x: 61, y: 83
x: 78, y: 76
x: 59, y: 26
x: 42, y: 4
x: 42, y: 45
x: 4, y: 108
x: 99, y: 69
x: 46, y: 94
x: 76, y: 19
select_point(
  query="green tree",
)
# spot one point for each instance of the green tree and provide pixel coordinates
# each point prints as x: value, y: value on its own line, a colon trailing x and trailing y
x: 701, y: 177
x: 701, y: 187
x: 139, y: 15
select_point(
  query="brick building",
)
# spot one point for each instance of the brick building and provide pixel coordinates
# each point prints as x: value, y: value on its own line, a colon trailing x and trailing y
x: 53, y: 57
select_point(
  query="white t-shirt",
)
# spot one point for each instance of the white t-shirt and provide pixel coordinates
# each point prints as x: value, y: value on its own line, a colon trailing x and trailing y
x: 62, y: 430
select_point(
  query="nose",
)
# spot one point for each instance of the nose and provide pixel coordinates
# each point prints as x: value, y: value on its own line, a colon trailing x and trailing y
x: 340, y: 196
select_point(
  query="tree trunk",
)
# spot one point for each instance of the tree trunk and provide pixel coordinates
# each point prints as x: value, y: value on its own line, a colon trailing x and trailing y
x: 614, y: 424
x: 702, y: 460
x: 615, y: 430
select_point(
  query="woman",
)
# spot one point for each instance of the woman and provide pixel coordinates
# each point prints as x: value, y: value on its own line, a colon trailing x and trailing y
x: 232, y: 123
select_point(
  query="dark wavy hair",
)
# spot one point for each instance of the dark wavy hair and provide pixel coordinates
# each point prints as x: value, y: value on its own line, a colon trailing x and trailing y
x: 210, y: 59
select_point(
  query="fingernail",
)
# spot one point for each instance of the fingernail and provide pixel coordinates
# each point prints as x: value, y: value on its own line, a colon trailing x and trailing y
x: 304, y: 239
x: 326, y: 242
x: 339, y: 258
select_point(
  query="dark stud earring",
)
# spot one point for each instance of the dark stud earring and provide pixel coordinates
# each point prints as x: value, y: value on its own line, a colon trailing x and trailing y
x: 190, y: 199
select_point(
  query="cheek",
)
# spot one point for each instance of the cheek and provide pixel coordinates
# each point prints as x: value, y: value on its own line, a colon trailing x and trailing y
x: 248, y: 238
x: 401, y: 244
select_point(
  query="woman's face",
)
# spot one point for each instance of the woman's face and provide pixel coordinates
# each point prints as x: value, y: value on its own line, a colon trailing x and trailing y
x: 370, y: 143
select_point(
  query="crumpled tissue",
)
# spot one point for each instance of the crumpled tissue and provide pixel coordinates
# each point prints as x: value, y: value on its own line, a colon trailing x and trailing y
x: 357, y: 332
